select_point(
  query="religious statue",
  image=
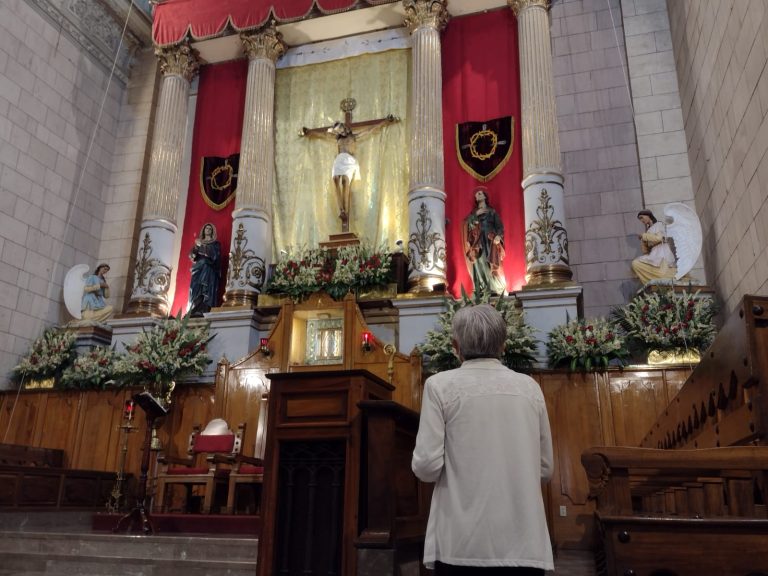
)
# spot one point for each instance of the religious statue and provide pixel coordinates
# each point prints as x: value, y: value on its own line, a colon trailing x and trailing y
x: 206, y: 270
x: 85, y: 295
x: 94, y: 307
x: 345, y: 168
x: 483, y: 236
x: 670, y: 248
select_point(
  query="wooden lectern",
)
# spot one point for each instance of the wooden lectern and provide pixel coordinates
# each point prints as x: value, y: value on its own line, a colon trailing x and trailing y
x: 311, y: 495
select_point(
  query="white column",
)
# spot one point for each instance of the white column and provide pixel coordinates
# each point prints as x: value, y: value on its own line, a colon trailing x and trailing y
x: 546, y: 239
x: 251, y: 247
x: 426, y: 194
x: 154, y: 255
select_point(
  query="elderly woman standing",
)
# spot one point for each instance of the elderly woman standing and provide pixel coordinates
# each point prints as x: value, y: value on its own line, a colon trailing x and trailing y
x: 484, y: 439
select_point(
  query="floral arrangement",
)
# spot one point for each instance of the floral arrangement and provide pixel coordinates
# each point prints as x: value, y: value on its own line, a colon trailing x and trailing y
x: 93, y: 370
x: 171, y: 349
x: 586, y: 345
x: 351, y: 268
x: 520, y: 343
x: 48, y: 356
x: 668, y: 320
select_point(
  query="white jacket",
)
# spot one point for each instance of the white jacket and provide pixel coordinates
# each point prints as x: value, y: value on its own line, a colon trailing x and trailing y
x: 484, y: 439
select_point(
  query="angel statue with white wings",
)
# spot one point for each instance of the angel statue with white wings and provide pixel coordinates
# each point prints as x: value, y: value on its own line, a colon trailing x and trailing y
x: 670, y: 248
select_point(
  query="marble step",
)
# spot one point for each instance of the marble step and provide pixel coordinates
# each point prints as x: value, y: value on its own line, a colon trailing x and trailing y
x: 166, y: 548
x: 23, y: 564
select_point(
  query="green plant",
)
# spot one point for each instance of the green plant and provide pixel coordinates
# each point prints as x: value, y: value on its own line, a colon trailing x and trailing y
x: 586, y: 345
x: 668, y: 320
x: 520, y: 343
x: 171, y: 349
x: 94, y: 369
x: 49, y: 355
x: 350, y: 268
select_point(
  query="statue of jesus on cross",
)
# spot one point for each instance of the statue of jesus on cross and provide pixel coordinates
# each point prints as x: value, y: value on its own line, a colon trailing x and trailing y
x: 345, y: 167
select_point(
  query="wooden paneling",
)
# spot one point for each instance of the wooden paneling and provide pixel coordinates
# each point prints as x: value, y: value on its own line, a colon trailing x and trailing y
x: 612, y: 408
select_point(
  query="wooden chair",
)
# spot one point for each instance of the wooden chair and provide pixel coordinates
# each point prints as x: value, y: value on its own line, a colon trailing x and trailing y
x: 218, y: 448
x: 249, y: 471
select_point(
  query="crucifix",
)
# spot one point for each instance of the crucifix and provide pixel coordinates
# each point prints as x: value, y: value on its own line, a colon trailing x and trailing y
x: 345, y: 167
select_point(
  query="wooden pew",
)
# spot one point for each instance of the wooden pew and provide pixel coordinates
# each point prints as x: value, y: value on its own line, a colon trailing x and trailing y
x: 16, y: 455
x: 724, y: 402
x: 680, y: 512
x: 32, y: 477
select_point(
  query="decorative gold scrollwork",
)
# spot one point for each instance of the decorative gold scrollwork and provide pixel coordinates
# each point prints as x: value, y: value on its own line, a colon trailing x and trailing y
x: 427, y: 248
x: 151, y: 276
x: 546, y: 240
x: 245, y: 267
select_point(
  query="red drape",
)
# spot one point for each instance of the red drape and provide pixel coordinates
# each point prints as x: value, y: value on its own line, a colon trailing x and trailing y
x: 481, y: 81
x: 218, y: 127
x: 173, y: 19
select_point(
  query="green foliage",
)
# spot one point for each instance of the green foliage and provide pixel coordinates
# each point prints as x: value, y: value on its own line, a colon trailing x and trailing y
x: 668, y: 320
x: 586, y: 345
x: 349, y: 269
x: 48, y: 356
x: 94, y: 369
x: 520, y: 343
x: 171, y: 349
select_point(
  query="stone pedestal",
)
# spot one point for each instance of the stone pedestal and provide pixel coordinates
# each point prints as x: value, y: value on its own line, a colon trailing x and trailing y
x: 546, y: 308
x: 417, y: 317
x: 87, y: 337
x: 237, y: 334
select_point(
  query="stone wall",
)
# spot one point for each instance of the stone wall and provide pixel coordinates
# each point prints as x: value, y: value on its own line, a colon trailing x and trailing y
x: 599, y: 149
x: 721, y: 51
x: 68, y: 192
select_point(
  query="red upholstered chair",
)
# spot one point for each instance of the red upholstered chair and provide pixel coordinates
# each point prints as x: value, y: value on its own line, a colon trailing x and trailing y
x: 211, y: 454
x: 248, y: 472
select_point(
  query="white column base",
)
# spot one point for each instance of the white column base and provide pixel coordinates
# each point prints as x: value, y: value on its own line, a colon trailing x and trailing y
x: 547, y: 308
x: 417, y: 317
x: 426, y: 238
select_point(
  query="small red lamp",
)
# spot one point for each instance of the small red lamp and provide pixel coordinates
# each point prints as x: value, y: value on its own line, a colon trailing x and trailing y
x: 264, y: 347
x: 128, y: 410
x: 367, y: 343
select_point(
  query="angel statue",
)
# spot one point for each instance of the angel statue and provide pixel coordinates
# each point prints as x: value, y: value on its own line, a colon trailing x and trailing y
x: 670, y: 248
x: 85, y: 294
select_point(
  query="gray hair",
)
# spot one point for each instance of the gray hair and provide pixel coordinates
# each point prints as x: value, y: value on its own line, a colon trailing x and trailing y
x: 480, y: 331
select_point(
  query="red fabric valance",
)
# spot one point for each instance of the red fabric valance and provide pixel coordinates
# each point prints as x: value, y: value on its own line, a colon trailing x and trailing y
x: 201, y: 19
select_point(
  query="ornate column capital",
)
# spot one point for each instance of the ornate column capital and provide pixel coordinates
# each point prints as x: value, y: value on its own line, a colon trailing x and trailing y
x: 266, y: 43
x: 520, y: 5
x: 181, y: 60
x: 430, y: 13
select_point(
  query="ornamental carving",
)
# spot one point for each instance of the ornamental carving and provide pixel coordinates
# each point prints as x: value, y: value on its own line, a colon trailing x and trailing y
x: 427, y: 247
x: 178, y: 60
x: 520, y: 5
x: 546, y: 240
x: 268, y: 43
x: 246, y: 269
x: 429, y: 13
x: 151, y: 275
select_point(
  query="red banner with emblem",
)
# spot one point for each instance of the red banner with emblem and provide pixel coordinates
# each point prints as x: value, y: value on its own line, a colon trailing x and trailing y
x: 477, y: 89
x: 213, y: 167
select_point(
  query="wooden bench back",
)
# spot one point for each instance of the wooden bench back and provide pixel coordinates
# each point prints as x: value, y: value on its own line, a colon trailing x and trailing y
x: 16, y: 455
x: 725, y: 400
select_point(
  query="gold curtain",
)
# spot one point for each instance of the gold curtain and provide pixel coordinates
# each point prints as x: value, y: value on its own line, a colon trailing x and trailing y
x: 304, y: 203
